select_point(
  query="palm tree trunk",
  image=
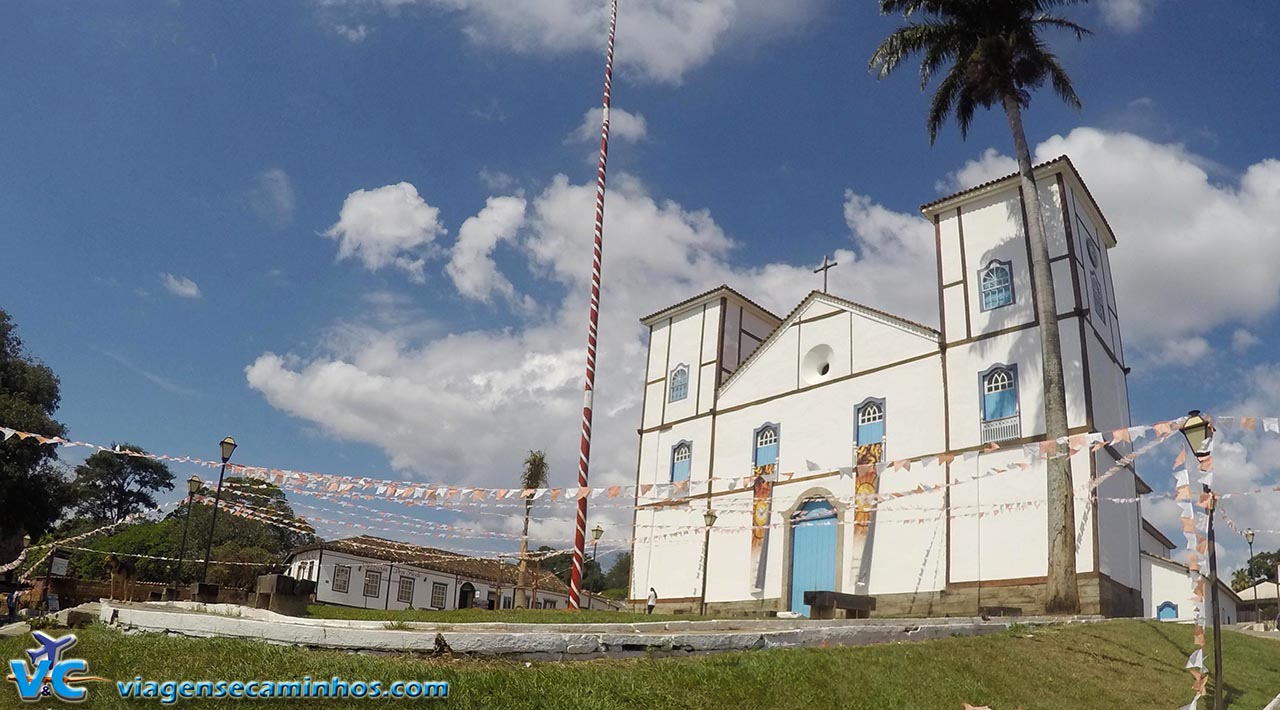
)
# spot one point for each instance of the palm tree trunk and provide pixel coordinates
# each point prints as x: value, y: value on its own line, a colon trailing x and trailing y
x: 521, y: 596
x: 1061, y: 594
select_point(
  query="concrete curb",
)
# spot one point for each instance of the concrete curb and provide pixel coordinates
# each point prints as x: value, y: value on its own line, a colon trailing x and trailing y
x: 544, y: 641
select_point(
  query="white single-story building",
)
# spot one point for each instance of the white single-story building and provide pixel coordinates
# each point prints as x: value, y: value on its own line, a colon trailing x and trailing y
x: 1167, y: 584
x: 375, y: 573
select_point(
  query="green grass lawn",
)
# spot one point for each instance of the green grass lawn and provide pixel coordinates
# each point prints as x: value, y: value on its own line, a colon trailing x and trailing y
x: 514, y: 616
x: 1118, y: 664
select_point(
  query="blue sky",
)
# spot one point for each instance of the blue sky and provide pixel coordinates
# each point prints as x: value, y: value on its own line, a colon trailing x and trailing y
x: 180, y: 180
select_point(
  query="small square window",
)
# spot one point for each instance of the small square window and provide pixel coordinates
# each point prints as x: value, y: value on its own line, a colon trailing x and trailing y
x: 405, y: 592
x: 341, y: 578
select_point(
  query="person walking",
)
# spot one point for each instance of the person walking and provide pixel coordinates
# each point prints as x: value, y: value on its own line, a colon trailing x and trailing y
x: 12, y: 601
x: 653, y: 600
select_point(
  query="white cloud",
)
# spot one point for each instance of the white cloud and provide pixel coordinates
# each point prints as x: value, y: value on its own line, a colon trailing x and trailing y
x: 471, y: 265
x: 1180, y: 352
x: 1242, y: 340
x: 1176, y: 229
x: 273, y: 197
x: 990, y: 165
x: 352, y: 33
x: 496, y: 179
x: 623, y: 126
x: 180, y: 286
x: 660, y: 40
x: 387, y: 226
x: 1126, y: 15
x: 465, y: 406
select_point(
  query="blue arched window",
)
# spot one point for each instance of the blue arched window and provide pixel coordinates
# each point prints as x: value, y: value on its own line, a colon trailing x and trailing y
x: 1099, y: 299
x: 996, y: 284
x: 999, y: 394
x: 681, y: 458
x: 870, y: 422
x: 679, y: 388
x: 1167, y: 611
x: 766, y: 451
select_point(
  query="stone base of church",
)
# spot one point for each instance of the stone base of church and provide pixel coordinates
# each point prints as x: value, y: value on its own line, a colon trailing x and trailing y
x: 1099, y: 594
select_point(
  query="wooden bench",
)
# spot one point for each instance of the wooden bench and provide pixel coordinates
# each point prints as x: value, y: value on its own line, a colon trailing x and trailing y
x: 823, y: 605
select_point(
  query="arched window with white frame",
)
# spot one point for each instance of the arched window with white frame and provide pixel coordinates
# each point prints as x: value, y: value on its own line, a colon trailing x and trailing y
x: 681, y: 460
x: 870, y: 422
x: 999, y: 388
x: 766, y: 449
x: 679, y: 387
x: 996, y: 285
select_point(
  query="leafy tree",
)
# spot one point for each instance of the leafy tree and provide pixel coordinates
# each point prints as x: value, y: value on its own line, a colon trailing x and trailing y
x: 561, y: 565
x: 235, y: 539
x: 33, y: 492
x: 619, y: 575
x: 534, y: 475
x: 112, y: 486
x: 994, y: 56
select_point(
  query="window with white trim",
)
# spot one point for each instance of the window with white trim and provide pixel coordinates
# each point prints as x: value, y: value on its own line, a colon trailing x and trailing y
x: 405, y: 592
x: 871, y: 422
x: 999, y: 395
x: 341, y: 578
x: 549, y: 604
x: 766, y: 451
x: 681, y: 459
x: 372, y: 583
x: 438, y: 592
x: 679, y: 387
x: 996, y: 285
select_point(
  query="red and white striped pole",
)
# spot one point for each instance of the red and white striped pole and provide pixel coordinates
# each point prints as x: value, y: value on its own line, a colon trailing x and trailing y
x: 584, y: 458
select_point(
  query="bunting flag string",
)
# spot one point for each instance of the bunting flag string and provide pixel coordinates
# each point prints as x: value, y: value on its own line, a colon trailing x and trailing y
x: 128, y: 519
x: 415, y: 491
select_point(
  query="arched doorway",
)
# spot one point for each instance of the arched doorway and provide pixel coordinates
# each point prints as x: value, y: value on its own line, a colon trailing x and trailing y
x: 813, y: 552
x: 466, y: 595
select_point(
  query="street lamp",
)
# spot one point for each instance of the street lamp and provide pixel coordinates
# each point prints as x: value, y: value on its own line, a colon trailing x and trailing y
x: 1198, y: 431
x: 193, y: 485
x: 26, y: 540
x: 709, y: 518
x: 1248, y: 537
x: 596, y: 533
x: 228, y: 446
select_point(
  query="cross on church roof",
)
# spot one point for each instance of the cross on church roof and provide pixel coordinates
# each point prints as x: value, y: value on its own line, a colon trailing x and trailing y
x: 826, y: 266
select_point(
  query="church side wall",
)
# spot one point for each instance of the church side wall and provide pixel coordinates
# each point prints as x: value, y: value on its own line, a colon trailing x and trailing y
x: 993, y: 542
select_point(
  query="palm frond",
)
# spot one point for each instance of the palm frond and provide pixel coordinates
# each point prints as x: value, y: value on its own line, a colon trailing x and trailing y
x: 1062, y: 23
x: 1061, y: 82
x: 943, y: 99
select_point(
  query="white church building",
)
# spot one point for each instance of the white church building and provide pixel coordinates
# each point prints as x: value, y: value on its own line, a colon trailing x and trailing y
x: 759, y: 413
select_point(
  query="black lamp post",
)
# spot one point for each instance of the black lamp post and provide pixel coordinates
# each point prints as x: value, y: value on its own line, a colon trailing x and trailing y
x: 193, y: 485
x: 1199, y: 434
x: 228, y: 447
x: 709, y: 518
x: 1248, y: 537
x: 596, y: 533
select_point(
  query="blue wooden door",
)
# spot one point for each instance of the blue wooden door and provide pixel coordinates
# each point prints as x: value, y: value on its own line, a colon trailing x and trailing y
x: 813, y: 552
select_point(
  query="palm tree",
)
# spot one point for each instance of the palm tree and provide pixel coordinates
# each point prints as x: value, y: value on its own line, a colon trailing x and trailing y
x: 533, y: 476
x: 1240, y: 580
x: 995, y: 57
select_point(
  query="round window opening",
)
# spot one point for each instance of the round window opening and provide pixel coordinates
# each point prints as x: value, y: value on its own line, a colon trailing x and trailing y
x: 816, y: 364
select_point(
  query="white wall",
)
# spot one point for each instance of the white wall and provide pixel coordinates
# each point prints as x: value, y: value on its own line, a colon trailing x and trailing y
x: 1163, y: 580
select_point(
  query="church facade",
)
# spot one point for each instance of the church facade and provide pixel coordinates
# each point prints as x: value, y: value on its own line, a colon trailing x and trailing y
x: 771, y: 421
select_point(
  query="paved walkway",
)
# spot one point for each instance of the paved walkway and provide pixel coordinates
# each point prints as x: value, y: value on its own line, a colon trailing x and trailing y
x: 542, y: 641
x: 18, y: 629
